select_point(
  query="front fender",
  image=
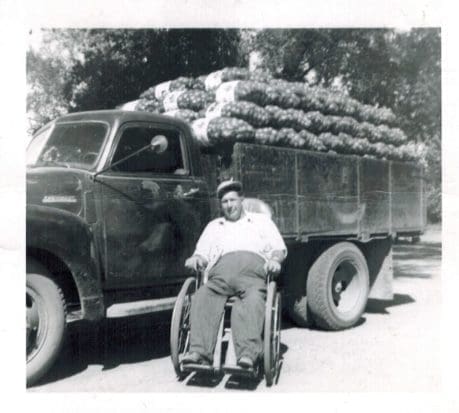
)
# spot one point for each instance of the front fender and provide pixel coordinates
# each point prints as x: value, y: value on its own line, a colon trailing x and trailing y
x: 68, y: 237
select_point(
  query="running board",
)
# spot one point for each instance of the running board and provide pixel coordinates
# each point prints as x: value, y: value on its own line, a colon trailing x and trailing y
x: 140, y: 307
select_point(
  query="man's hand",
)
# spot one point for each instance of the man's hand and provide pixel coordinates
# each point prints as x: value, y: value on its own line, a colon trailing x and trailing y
x: 272, y: 267
x: 196, y: 263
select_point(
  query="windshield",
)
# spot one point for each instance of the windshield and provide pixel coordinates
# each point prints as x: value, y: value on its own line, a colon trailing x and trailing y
x: 68, y: 145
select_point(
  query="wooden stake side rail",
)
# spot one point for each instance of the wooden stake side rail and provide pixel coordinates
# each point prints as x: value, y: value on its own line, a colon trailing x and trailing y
x: 314, y: 193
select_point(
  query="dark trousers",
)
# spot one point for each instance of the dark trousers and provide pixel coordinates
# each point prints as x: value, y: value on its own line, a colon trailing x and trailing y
x: 239, y: 274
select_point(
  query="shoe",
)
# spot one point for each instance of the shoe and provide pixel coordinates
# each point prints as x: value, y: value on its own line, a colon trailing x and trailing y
x: 191, y: 358
x: 194, y: 358
x: 245, y: 362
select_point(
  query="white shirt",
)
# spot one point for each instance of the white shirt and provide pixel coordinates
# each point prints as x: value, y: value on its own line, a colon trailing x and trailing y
x: 253, y: 232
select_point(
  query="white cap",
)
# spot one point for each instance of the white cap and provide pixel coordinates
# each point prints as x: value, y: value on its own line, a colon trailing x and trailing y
x: 227, y: 186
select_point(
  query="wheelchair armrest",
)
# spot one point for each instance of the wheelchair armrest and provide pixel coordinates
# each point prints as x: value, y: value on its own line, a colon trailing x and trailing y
x: 271, y: 277
x: 201, y: 278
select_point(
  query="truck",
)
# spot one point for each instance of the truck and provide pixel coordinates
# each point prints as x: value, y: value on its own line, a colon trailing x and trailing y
x: 116, y: 201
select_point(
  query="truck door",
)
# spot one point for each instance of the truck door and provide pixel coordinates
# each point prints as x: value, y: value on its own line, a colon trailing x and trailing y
x: 153, y: 209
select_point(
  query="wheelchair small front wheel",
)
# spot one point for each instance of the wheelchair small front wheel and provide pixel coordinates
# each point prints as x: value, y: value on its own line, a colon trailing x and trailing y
x: 180, y: 324
x: 272, y: 331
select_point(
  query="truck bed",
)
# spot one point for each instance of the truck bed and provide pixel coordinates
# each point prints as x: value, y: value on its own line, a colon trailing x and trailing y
x: 317, y: 195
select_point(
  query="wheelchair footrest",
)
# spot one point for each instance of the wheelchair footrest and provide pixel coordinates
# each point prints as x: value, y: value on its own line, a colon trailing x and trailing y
x: 198, y: 367
x: 240, y: 371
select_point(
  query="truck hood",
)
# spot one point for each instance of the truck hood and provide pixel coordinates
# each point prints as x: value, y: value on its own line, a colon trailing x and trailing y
x: 56, y: 188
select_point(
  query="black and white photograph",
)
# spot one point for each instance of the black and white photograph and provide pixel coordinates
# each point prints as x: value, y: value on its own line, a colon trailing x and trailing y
x: 234, y: 207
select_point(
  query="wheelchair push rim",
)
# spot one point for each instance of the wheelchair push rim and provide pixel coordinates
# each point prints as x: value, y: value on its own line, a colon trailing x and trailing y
x: 180, y: 324
x: 272, y: 329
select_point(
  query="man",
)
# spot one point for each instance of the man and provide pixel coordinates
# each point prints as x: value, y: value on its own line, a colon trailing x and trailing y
x: 237, y: 251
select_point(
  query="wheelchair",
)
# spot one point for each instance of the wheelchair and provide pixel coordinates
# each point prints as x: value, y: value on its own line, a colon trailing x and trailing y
x: 224, y: 360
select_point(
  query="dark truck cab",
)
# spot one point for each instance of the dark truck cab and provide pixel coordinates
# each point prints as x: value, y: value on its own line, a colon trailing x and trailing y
x: 116, y: 201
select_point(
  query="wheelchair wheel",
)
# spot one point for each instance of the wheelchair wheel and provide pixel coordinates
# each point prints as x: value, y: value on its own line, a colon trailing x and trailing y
x: 180, y: 325
x: 272, y: 334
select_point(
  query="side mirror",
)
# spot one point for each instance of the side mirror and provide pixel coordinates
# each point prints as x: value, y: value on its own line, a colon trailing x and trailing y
x: 159, y: 144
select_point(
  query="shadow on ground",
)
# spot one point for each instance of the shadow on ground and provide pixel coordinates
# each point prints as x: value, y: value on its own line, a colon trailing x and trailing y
x: 381, y: 306
x: 112, y: 342
x: 208, y: 380
x: 243, y: 383
x: 234, y: 381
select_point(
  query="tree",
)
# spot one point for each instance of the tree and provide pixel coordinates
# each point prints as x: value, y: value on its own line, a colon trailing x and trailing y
x: 384, y: 67
x: 118, y: 65
x: 45, y: 99
x: 48, y: 68
x: 98, y: 69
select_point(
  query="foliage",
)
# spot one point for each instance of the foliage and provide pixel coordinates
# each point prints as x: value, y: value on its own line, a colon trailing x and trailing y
x: 399, y: 70
x: 433, y: 174
x: 100, y: 68
x: 48, y: 74
x: 120, y: 64
x: 45, y: 98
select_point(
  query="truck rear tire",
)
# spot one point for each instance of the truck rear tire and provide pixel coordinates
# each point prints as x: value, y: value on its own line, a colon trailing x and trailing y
x: 338, y: 286
x: 46, y: 324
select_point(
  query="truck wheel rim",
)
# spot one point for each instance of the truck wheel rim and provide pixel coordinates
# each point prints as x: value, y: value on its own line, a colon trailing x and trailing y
x: 36, y: 323
x: 346, y: 287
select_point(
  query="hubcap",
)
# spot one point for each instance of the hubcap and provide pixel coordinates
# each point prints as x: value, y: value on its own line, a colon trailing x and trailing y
x: 345, y: 288
x: 36, y: 325
x: 338, y: 287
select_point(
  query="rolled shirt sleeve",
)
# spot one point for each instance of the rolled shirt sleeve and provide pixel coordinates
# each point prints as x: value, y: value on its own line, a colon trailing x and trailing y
x: 272, y: 236
x: 206, y: 242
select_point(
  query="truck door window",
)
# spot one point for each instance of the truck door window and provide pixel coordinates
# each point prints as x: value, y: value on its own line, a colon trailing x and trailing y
x: 134, y: 138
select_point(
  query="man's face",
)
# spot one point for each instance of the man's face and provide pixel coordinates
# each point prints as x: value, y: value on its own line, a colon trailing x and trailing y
x: 231, y: 204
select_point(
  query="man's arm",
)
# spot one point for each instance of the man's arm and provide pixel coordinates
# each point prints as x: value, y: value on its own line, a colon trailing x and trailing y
x: 273, y: 264
x: 274, y: 239
x: 201, y: 255
x: 279, y: 250
x: 278, y: 255
x: 196, y: 262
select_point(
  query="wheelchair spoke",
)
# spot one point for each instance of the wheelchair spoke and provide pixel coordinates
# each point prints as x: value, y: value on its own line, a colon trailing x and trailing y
x: 187, y: 343
x: 186, y: 319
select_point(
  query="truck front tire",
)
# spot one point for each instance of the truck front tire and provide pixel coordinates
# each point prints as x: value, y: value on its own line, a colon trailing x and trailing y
x: 46, y: 313
x: 338, y: 287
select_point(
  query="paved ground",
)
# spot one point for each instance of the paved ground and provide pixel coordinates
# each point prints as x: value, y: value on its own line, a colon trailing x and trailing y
x: 395, y: 347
